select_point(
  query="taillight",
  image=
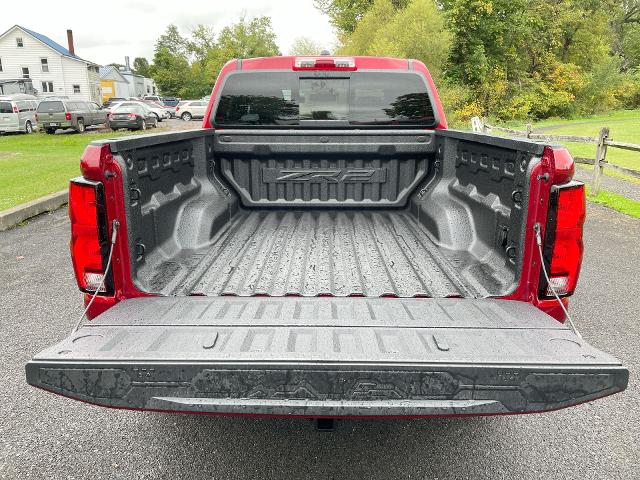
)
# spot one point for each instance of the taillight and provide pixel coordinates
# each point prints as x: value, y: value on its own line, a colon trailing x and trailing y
x: 67, y: 116
x: 89, y: 243
x: 132, y: 115
x: 563, y: 246
x: 15, y: 109
x: 177, y: 108
x: 324, y: 63
x: 110, y: 116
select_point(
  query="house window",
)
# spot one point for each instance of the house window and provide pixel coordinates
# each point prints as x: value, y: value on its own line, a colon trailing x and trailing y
x: 19, y: 42
x: 44, y: 63
x: 47, y: 87
x: 25, y: 72
x: 76, y: 89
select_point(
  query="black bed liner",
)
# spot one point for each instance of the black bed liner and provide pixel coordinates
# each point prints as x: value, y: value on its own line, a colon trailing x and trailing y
x: 321, y: 252
x: 327, y: 357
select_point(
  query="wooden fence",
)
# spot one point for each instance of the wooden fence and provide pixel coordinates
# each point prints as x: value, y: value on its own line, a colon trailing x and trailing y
x: 602, y: 142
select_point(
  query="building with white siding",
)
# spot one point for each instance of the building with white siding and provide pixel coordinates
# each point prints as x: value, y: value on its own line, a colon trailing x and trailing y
x: 52, y: 68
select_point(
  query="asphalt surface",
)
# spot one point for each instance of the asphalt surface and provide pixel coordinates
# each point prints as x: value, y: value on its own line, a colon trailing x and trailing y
x: 46, y: 436
x: 611, y: 184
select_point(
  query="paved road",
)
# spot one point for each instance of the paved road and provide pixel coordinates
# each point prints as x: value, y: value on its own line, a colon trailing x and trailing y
x: 44, y: 436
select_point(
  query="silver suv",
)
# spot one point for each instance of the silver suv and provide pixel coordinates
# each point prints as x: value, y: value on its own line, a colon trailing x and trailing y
x: 188, y: 109
x: 63, y: 113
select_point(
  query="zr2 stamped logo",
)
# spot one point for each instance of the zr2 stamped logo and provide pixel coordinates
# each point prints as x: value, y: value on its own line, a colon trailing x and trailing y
x: 324, y: 175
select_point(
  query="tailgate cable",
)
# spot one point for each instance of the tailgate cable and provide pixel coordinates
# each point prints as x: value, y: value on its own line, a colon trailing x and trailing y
x: 536, y: 228
x: 114, y: 234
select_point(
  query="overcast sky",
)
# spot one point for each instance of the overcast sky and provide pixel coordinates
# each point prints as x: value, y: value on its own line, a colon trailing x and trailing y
x: 106, y: 31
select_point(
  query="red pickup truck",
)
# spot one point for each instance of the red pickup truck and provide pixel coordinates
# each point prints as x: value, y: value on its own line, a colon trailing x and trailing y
x: 324, y: 246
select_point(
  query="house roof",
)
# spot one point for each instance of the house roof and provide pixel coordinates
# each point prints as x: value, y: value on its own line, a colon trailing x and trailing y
x: 108, y: 69
x: 49, y: 43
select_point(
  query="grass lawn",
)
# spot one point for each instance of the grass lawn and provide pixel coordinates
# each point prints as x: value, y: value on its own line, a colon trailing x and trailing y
x: 617, y: 202
x: 624, y: 126
x: 38, y: 164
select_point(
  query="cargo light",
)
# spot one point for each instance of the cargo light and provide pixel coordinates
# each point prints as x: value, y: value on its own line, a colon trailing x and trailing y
x: 324, y: 63
x: 88, y: 234
x: 563, y: 239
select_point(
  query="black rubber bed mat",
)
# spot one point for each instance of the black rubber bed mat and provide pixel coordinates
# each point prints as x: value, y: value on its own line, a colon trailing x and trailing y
x: 312, y: 253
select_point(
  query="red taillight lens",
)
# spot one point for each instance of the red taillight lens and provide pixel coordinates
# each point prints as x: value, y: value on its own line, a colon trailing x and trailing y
x: 67, y: 116
x: 87, y: 222
x: 563, y: 244
x: 132, y: 115
x: 15, y: 109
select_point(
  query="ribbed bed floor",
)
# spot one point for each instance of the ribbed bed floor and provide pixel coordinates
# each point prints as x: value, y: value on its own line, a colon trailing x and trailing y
x: 313, y: 253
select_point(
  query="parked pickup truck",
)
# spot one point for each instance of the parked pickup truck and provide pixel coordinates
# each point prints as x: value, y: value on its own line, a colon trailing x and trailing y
x: 324, y: 246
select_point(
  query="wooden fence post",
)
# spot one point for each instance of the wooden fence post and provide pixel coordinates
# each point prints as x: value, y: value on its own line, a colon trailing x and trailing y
x: 601, y: 159
x: 477, y: 126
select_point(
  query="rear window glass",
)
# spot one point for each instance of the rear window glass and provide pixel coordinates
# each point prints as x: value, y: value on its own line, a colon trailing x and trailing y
x: 292, y: 98
x: 5, y: 107
x: 51, y: 106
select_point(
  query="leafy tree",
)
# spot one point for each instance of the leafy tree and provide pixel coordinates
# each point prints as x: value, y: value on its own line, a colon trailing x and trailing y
x: 346, y: 14
x: 188, y: 66
x: 305, y: 46
x: 173, y: 42
x: 141, y: 66
x: 416, y: 31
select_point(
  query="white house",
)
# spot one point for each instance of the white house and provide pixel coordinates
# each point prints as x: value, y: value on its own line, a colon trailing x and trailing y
x: 52, y: 68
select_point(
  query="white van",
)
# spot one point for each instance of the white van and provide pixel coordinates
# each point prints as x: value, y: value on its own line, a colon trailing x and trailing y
x: 18, y: 113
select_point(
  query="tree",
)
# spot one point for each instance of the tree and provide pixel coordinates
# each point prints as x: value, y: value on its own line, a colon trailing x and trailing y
x: 305, y: 46
x: 188, y: 66
x: 248, y: 38
x: 141, y: 66
x: 346, y: 14
x: 416, y: 31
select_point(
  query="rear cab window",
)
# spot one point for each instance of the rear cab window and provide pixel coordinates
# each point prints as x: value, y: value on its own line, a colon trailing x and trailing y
x: 51, y: 106
x: 363, y: 99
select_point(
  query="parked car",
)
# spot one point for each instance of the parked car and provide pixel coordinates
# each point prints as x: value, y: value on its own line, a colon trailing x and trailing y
x: 160, y: 109
x: 54, y: 113
x: 171, y: 101
x: 189, y: 109
x: 157, y: 110
x: 345, y: 255
x: 18, y: 113
x: 113, y: 100
x: 153, y: 98
x: 132, y: 116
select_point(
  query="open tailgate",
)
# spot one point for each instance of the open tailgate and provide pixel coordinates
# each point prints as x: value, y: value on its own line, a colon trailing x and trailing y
x: 327, y: 357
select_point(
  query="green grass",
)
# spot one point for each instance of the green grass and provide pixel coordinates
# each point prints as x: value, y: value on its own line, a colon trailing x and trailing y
x: 624, y: 126
x: 617, y: 202
x: 32, y: 166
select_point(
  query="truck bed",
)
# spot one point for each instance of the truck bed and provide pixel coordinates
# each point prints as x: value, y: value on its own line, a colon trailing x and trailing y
x: 377, y: 213
x: 311, y: 253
